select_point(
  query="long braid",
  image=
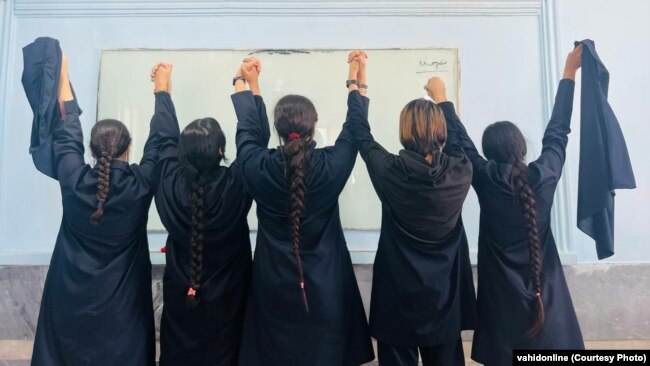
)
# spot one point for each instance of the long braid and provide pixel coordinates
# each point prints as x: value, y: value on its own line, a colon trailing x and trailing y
x: 109, y: 139
x: 103, y: 184
x: 202, y: 144
x: 295, y: 121
x: 295, y: 150
x: 196, y: 243
x: 526, y: 197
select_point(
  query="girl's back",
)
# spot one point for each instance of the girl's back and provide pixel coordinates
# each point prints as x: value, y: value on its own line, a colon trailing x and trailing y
x: 305, y: 307
x: 422, y: 294
x: 506, y: 290
x: 126, y: 212
x: 501, y: 212
x: 326, y: 174
x: 204, y: 208
x: 225, y: 209
x: 97, y: 306
x: 523, y: 298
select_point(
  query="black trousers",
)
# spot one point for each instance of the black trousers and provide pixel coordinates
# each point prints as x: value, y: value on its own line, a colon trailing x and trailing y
x: 450, y: 354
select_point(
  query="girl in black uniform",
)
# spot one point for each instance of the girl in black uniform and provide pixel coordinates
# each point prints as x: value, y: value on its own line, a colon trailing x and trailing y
x: 203, y: 206
x: 305, y: 307
x: 523, y: 299
x: 422, y: 290
x: 97, y: 306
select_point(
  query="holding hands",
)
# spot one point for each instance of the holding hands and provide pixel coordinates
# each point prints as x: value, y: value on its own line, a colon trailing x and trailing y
x: 357, y: 61
x: 161, y: 75
x: 248, y: 73
x: 250, y: 69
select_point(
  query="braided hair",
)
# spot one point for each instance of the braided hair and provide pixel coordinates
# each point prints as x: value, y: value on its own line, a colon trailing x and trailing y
x: 295, y: 120
x: 202, y: 145
x: 109, y: 139
x: 504, y: 143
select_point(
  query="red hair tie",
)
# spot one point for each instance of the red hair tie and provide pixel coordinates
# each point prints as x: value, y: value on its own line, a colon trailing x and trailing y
x: 191, y: 292
x: 293, y: 136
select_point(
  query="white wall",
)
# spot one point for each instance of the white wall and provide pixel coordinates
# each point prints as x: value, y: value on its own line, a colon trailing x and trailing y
x: 621, y: 32
x: 507, y: 53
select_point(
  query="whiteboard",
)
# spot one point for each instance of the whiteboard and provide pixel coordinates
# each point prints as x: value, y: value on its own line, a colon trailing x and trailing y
x: 202, y: 85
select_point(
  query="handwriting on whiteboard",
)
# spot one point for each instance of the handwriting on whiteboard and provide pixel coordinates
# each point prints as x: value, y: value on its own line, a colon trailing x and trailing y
x: 432, y: 66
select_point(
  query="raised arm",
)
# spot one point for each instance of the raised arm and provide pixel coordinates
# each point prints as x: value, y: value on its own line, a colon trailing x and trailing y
x: 438, y: 88
x: 251, y: 69
x: 375, y: 156
x: 556, y: 135
x: 263, y: 117
x: 67, y: 144
x: 253, y: 131
x: 164, y: 120
x: 162, y: 131
x: 344, y: 151
x: 457, y: 135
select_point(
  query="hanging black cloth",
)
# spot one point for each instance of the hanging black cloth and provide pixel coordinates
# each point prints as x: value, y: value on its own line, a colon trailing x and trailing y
x: 604, y: 161
x: 42, y: 66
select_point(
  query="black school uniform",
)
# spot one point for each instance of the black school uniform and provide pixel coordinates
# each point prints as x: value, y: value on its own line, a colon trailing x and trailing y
x: 506, y: 296
x: 277, y: 329
x: 210, y: 333
x: 97, y: 306
x: 422, y: 290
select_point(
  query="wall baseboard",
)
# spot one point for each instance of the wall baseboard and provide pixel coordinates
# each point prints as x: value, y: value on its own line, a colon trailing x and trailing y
x: 610, y: 299
x: 21, y: 350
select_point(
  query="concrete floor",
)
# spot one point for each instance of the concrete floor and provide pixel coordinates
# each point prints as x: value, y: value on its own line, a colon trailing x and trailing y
x: 17, y: 353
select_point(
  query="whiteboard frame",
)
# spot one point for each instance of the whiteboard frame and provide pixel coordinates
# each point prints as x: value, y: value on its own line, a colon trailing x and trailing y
x: 458, y: 103
x: 252, y: 52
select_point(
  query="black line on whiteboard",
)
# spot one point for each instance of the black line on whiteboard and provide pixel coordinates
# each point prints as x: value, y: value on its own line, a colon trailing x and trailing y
x: 279, y: 52
x: 427, y: 71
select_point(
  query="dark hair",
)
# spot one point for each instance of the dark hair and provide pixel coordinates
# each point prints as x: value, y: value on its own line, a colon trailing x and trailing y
x: 422, y: 127
x: 504, y: 143
x: 295, y: 120
x: 109, y: 139
x: 202, y: 145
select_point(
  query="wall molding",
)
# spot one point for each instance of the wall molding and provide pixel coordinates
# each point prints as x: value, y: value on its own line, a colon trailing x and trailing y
x: 551, y: 63
x: 6, y: 40
x: 153, y: 8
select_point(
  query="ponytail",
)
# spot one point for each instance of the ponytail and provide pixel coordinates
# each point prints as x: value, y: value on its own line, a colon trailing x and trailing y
x: 295, y: 151
x: 196, y: 243
x: 103, y: 185
x: 526, y: 197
